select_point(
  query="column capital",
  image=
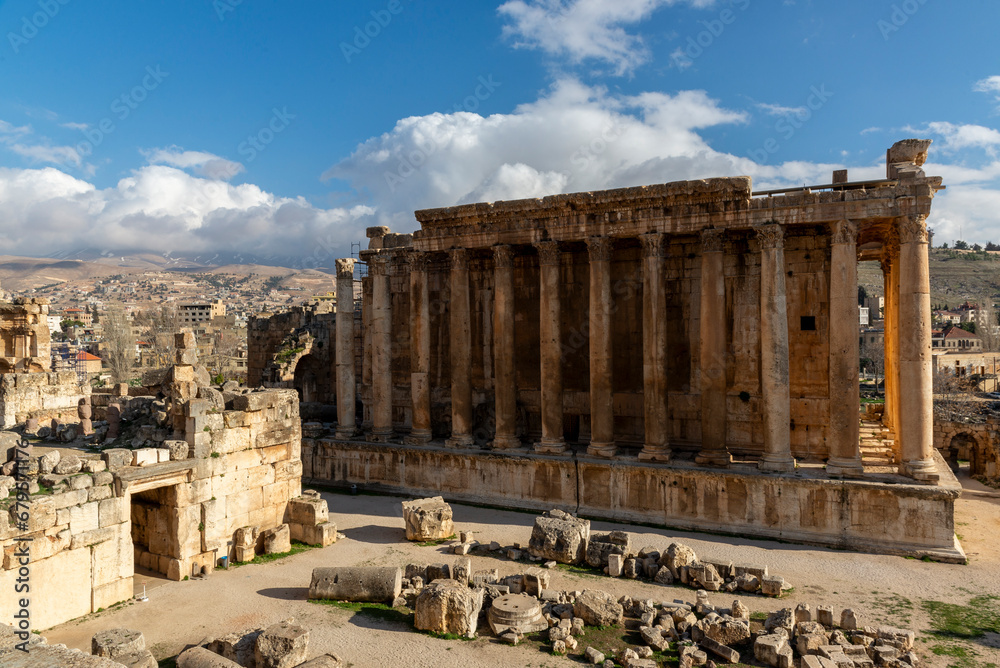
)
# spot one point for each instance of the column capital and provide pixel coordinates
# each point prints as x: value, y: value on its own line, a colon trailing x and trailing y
x: 844, y: 232
x: 459, y: 258
x: 345, y: 268
x: 599, y: 248
x: 503, y: 256
x: 770, y: 235
x: 548, y: 252
x: 378, y: 264
x: 652, y: 244
x: 419, y: 260
x: 913, y: 229
x: 712, y: 240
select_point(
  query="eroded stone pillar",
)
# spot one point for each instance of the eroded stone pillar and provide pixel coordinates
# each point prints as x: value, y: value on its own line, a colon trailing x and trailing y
x: 602, y: 421
x: 654, y: 343
x: 460, y: 342
x: 713, y: 351
x: 505, y: 386
x: 420, y: 349
x: 344, y: 350
x: 774, y: 350
x: 916, y: 396
x: 381, y: 324
x: 845, y: 435
x: 550, y: 340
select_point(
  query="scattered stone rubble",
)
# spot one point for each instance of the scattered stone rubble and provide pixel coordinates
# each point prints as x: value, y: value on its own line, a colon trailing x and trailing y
x: 281, y: 645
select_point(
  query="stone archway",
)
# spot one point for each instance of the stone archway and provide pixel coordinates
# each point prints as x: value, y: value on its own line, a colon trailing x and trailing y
x: 306, y: 379
x: 962, y: 445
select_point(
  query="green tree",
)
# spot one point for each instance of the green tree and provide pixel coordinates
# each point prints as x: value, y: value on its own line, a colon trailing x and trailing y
x: 961, y: 245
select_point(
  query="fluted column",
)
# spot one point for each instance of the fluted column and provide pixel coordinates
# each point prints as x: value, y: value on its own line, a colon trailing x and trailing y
x: 916, y: 409
x: 460, y: 342
x: 420, y: 349
x: 774, y: 350
x: 845, y: 435
x: 505, y: 387
x: 713, y: 351
x: 344, y: 350
x: 381, y: 319
x: 602, y: 421
x: 654, y: 344
x: 550, y: 340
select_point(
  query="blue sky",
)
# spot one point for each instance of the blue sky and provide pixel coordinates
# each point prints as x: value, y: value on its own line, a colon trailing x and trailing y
x: 282, y: 130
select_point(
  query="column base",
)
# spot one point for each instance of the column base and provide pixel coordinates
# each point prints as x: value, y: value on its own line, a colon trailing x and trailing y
x: 776, y: 463
x: 843, y: 466
x: 719, y: 458
x: 346, y: 433
x: 554, y: 447
x: 459, y: 441
x: 380, y: 436
x: 506, y: 443
x: 418, y: 437
x: 603, y: 450
x: 923, y: 470
x: 656, y: 453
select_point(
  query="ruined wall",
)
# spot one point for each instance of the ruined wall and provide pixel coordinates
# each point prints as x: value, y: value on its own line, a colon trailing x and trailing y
x: 24, y: 336
x: 977, y: 441
x: 173, y: 509
x: 43, y: 396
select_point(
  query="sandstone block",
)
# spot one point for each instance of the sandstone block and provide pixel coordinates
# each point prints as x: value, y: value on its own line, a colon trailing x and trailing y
x: 824, y: 615
x: 771, y: 585
x: 144, y: 457
x: 199, y: 657
x: 447, y: 606
x: 600, y: 546
x: 321, y: 534
x: 117, y: 458
x: 117, y: 642
x: 428, y: 519
x: 308, y: 510
x: 237, y: 647
x: 727, y: 654
x: 803, y: 613
x: 560, y: 537
x: 598, y: 608
x: 94, y: 465
x: 768, y: 648
x: 68, y: 465
x: 616, y: 563
x: 282, y: 645
x: 277, y: 540
x: 677, y: 557
x: 848, y: 620
x: 48, y: 461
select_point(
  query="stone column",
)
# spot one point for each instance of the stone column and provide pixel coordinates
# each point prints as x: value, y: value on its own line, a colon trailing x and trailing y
x: 890, y: 273
x: 845, y: 435
x: 344, y: 350
x: 550, y: 340
x: 460, y: 342
x: 602, y: 421
x: 381, y: 319
x: 713, y: 352
x: 654, y: 343
x: 505, y: 386
x: 916, y: 395
x: 420, y: 349
x: 774, y: 350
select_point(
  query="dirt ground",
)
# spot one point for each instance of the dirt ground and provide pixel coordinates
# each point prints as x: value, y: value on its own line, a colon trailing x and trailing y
x: 881, y: 589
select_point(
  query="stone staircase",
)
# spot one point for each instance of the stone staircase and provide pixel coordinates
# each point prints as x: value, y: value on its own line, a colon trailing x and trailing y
x: 876, y: 449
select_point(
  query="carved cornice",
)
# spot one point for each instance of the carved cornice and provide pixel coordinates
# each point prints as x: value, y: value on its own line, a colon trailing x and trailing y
x: 913, y: 230
x: 503, y: 256
x: 548, y: 252
x: 378, y: 264
x: 652, y: 244
x: 459, y: 259
x: 712, y: 240
x: 345, y: 268
x: 770, y: 235
x: 419, y: 261
x: 844, y: 232
x: 599, y: 249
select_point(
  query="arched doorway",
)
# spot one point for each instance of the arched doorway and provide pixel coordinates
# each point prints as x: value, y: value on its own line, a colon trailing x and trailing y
x: 306, y: 381
x: 962, y: 446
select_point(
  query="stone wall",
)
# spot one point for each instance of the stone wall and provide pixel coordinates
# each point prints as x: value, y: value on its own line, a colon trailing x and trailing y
x: 883, y: 516
x: 45, y: 396
x: 174, y: 510
x: 977, y: 441
x: 25, y: 344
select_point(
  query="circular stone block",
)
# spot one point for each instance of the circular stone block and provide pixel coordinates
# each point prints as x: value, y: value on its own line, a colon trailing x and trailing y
x: 519, y: 612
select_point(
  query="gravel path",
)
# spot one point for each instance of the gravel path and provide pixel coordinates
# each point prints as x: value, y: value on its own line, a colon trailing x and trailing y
x: 881, y: 589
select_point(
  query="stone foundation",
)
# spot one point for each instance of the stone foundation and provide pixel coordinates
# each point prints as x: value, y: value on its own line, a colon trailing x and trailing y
x: 892, y: 516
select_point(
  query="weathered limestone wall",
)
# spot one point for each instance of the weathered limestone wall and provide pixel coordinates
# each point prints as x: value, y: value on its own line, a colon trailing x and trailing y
x: 174, y: 509
x: 889, y: 517
x: 978, y: 442
x: 24, y: 336
x: 39, y: 395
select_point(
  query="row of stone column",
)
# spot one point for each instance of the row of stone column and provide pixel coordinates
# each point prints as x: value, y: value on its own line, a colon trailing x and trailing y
x: 774, y: 356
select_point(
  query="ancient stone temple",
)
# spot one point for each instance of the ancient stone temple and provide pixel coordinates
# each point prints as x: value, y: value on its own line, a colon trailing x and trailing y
x: 685, y: 354
x: 24, y: 336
